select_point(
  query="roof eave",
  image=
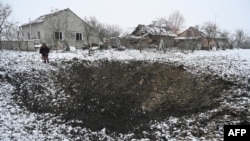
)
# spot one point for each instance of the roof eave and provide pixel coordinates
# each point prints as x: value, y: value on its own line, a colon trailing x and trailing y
x: 32, y: 23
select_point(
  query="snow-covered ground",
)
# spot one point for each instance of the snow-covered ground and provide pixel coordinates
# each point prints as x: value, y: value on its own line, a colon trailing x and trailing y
x: 18, y: 123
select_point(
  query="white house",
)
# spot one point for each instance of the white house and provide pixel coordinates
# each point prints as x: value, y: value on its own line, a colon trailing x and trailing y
x: 59, y: 28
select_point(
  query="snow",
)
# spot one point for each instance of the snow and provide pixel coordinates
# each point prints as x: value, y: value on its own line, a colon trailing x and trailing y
x: 72, y: 48
x: 18, y: 123
x: 159, y: 31
x: 38, y: 46
x: 186, y: 38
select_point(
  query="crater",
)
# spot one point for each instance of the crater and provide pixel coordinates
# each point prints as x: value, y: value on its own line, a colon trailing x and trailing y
x: 122, y: 96
x: 126, y: 96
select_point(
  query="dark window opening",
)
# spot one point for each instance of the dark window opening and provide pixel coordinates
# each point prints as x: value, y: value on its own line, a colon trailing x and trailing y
x: 38, y: 35
x: 58, y: 35
x: 78, y: 36
x: 28, y: 36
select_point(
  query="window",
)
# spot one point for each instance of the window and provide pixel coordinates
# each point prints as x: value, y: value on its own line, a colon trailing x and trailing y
x: 28, y: 34
x: 58, y: 35
x: 78, y: 36
x: 38, y: 35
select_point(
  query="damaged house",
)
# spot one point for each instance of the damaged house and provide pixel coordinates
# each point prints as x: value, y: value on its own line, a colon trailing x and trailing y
x: 60, y: 29
x: 150, y: 36
x: 193, y: 38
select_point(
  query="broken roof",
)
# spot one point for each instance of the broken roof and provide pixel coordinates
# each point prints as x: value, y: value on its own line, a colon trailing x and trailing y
x: 44, y: 17
x: 153, y: 30
x: 194, y: 32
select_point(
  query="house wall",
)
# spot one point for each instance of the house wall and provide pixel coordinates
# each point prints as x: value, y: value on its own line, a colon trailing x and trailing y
x: 137, y: 42
x: 189, y: 44
x: 70, y: 25
x: 33, y: 30
x: 151, y: 41
x: 169, y: 41
x: 222, y: 43
x: 202, y: 43
x: 190, y: 32
x: 66, y: 22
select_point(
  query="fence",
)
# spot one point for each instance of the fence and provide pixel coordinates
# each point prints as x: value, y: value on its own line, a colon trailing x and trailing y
x: 18, y: 45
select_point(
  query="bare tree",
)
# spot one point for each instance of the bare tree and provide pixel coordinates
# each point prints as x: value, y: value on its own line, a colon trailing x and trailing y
x: 211, y: 30
x: 19, y: 37
x: 97, y: 26
x: 240, y: 36
x: 7, y: 32
x: 113, y: 30
x: 88, y: 29
x: 225, y: 35
x: 101, y: 29
x: 5, y: 12
x: 197, y: 35
x: 231, y: 40
x: 177, y: 19
x: 12, y: 33
x: 164, y: 23
x: 124, y: 38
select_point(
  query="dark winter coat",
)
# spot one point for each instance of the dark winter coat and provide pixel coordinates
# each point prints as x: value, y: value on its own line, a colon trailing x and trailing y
x: 44, y: 51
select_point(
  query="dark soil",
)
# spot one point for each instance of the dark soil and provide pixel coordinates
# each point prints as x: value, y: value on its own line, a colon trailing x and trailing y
x: 123, y: 96
x: 119, y: 96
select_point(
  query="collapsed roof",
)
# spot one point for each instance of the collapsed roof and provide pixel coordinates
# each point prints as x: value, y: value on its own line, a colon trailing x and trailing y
x: 143, y: 30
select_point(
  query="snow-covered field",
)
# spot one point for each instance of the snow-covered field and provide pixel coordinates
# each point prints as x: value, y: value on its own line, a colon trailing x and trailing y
x: 18, y: 123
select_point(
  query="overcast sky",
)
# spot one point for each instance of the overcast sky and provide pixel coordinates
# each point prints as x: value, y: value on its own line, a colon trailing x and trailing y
x: 228, y: 14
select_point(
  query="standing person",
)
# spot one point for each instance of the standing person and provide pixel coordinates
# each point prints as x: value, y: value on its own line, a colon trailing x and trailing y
x: 44, y: 50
